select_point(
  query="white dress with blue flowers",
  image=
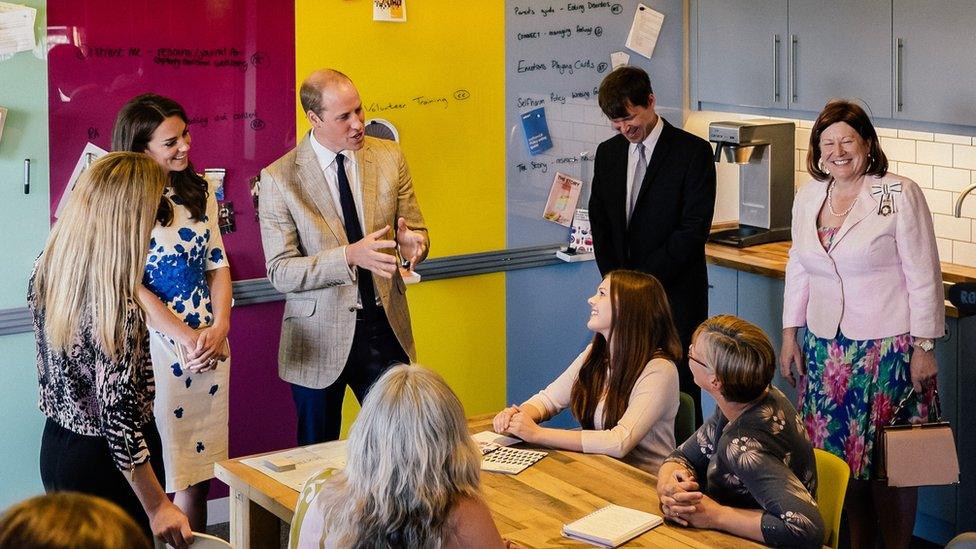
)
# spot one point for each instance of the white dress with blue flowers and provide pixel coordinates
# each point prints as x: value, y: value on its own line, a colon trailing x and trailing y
x: 191, y: 409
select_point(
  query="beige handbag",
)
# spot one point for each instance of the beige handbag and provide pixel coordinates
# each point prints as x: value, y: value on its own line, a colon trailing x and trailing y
x: 921, y: 454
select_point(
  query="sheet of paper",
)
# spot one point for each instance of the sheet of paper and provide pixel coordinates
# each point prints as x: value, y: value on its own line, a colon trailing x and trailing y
x: 619, y: 59
x: 645, y: 30
x: 308, y: 460
x: 3, y: 120
x: 494, y: 438
x: 563, y: 196
x: 88, y: 155
x: 16, y: 28
x: 390, y: 10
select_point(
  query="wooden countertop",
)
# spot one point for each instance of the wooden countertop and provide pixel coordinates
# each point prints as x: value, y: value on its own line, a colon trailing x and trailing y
x: 770, y: 260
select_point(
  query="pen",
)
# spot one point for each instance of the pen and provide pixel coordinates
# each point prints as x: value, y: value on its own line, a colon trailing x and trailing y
x: 27, y: 176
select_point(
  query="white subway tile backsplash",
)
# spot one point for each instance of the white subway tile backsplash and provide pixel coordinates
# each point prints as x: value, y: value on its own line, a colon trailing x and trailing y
x: 964, y: 156
x: 968, y: 209
x: 805, y: 123
x: 595, y: 116
x: 953, y: 228
x: 945, y: 249
x: 950, y: 179
x: 964, y: 253
x: 802, y: 139
x: 937, y: 154
x: 939, y: 202
x: 583, y: 132
x: 885, y: 132
x: 919, y: 173
x: 799, y: 178
x: 902, y: 150
x: 951, y: 138
x: 917, y: 136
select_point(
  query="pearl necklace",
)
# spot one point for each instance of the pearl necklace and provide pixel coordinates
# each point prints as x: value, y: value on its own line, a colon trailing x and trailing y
x: 830, y: 202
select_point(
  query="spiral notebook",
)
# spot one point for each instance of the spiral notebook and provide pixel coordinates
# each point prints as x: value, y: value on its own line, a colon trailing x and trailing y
x: 611, y: 526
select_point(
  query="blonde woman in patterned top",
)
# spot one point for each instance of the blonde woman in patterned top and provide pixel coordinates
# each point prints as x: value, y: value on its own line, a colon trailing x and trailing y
x: 750, y: 469
x: 93, y: 369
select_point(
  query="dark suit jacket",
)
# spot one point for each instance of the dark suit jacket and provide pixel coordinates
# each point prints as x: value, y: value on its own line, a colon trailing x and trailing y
x: 667, y: 233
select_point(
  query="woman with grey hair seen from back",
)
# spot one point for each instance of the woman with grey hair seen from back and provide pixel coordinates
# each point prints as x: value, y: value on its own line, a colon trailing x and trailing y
x: 412, y: 477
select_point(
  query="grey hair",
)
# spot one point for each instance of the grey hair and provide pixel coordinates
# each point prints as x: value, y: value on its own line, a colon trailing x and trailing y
x: 410, y: 461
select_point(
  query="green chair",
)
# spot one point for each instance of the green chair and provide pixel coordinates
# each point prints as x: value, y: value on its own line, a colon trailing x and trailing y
x: 832, y: 476
x: 684, y: 422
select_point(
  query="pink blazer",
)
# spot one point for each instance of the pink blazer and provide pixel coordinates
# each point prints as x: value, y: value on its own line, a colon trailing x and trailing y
x: 881, y: 276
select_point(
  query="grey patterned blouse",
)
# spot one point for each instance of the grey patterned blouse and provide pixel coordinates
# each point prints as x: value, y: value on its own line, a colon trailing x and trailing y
x: 762, y: 460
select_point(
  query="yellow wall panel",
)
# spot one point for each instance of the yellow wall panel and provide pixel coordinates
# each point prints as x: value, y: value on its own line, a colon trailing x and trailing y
x: 439, y: 78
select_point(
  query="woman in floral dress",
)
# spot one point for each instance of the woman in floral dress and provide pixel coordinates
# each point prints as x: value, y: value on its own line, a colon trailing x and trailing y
x: 187, y: 294
x: 863, y: 277
x: 749, y: 469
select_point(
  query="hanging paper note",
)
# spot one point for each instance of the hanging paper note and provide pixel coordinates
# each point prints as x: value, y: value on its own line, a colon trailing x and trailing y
x: 645, y: 30
x: 16, y: 28
x: 619, y: 59
x: 89, y: 154
x: 536, y: 131
x: 390, y: 10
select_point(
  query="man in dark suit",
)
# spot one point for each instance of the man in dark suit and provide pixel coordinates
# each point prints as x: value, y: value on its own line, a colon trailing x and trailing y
x: 651, y: 203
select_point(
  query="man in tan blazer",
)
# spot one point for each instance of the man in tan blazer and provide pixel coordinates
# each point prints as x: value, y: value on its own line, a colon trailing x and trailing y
x: 334, y: 211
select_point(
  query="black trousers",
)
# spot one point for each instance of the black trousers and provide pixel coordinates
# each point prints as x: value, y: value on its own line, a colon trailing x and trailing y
x: 79, y: 463
x: 375, y: 349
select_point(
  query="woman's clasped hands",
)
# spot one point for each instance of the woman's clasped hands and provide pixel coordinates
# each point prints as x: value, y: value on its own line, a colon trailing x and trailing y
x: 205, y: 347
x: 515, y: 421
x: 683, y: 502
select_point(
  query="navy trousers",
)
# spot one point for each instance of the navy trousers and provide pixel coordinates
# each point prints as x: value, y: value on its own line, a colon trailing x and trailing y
x: 375, y: 349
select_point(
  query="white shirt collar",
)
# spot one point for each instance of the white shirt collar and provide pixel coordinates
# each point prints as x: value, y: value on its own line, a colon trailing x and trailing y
x: 651, y: 140
x: 325, y: 156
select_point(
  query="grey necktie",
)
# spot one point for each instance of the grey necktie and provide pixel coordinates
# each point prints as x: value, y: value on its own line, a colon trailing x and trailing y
x: 639, y: 170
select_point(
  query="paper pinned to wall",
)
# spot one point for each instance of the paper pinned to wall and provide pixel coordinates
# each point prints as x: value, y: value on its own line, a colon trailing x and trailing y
x: 16, y: 28
x: 645, y: 30
x: 88, y: 155
x: 390, y: 10
x: 619, y: 59
x: 3, y: 120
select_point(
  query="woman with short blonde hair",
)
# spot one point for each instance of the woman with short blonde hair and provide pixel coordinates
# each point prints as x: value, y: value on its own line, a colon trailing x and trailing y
x: 412, y: 477
x: 93, y: 369
x: 749, y: 470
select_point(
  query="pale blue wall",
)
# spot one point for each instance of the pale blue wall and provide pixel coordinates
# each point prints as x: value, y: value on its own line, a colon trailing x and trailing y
x: 23, y: 230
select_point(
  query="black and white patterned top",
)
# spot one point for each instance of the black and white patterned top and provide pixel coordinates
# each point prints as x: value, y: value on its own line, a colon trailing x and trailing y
x: 86, y: 392
x: 762, y: 460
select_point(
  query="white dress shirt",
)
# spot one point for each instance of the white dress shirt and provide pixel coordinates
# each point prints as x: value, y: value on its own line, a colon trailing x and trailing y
x: 327, y: 161
x: 632, y: 157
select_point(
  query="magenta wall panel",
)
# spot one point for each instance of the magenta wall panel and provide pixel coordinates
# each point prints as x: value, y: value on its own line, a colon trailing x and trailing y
x: 231, y: 64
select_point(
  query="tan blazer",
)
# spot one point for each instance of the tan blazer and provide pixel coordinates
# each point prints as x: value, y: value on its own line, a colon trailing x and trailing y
x: 304, y: 241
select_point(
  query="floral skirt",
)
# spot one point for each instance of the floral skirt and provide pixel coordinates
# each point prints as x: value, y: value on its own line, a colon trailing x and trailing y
x: 851, y: 388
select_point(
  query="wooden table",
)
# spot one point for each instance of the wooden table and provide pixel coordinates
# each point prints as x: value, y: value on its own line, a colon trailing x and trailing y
x: 530, y: 507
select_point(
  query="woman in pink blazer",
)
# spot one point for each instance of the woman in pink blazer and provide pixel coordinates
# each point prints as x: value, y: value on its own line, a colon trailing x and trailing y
x: 863, y: 277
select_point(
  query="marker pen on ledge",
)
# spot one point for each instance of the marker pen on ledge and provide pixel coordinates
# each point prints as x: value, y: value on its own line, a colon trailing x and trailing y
x: 27, y: 176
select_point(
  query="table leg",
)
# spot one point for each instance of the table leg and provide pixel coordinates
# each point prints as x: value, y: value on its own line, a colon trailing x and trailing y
x: 252, y: 526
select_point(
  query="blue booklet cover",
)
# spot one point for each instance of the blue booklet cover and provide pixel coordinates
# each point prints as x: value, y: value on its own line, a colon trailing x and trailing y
x: 536, y: 131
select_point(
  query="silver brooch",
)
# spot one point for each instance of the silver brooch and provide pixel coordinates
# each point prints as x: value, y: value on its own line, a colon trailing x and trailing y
x: 886, y: 190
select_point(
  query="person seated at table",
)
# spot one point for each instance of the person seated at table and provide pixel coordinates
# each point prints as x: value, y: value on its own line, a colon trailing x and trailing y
x: 623, y: 387
x: 750, y: 469
x: 412, y: 477
x: 69, y: 520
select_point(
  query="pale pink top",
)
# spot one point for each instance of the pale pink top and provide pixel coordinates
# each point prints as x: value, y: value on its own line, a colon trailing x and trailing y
x: 880, y: 275
x: 644, y: 436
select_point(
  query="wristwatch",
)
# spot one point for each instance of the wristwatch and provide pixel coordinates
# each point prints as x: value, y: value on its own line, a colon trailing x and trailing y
x: 924, y: 344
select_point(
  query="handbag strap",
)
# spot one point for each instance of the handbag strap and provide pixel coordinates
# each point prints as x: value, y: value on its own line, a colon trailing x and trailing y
x: 904, y: 401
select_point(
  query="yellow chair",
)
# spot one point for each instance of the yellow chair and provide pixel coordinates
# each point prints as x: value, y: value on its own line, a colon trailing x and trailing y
x: 832, y: 476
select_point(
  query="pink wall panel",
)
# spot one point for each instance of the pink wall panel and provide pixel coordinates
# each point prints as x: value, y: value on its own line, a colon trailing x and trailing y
x: 231, y: 64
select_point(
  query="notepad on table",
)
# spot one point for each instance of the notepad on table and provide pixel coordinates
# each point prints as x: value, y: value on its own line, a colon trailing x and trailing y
x: 611, y: 526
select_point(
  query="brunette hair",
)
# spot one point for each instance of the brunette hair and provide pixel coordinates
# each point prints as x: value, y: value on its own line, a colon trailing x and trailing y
x: 133, y: 130
x: 625, y: 85
x: 740, y: 354
x: 95, y: 255
x: 67, y: 520
x: 853, y: 115
x: 641, y: 328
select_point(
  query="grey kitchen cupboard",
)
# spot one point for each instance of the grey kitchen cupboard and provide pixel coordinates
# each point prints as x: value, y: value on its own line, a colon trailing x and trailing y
x: 934, y: 68
x: 740, y: 57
